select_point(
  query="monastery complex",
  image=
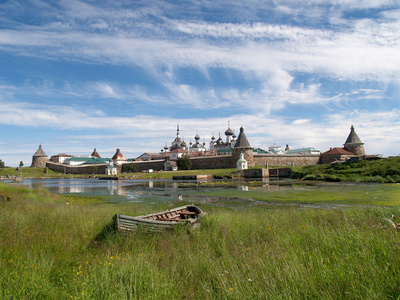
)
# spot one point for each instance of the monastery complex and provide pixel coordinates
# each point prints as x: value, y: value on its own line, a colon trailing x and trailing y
x: 234, y: 151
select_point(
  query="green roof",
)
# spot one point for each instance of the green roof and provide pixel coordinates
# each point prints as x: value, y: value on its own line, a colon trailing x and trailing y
x: 98, y: 161
x: 301, y: 150
x: 260, y: 151
x: 90, y: 160
x: 79, y: 158
x: 225, y: 150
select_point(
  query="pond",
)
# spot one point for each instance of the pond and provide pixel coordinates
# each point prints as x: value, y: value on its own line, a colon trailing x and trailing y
x: 216, y: 192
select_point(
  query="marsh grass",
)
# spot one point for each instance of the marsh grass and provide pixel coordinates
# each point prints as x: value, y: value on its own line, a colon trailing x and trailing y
x: 351, y: 194
x: 58, y: 247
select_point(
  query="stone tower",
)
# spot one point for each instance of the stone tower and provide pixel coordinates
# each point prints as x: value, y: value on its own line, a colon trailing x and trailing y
x: 242, y: 145
x: 354, y: 144
x: 39, y: 159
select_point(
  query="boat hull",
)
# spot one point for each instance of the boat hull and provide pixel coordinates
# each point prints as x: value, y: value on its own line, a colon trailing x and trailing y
x: 161, y: 221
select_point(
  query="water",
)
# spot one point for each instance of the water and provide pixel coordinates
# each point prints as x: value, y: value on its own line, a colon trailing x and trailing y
x: 168, y: 191
x: 154, y: 190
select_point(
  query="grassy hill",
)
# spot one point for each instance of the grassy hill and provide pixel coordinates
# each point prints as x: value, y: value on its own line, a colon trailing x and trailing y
x: 381, y: 170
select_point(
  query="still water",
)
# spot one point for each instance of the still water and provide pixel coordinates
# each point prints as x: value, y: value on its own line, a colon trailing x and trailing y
x: 153, y: 191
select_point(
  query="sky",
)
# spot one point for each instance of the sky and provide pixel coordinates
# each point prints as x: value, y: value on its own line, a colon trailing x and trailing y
x: 78, y: 75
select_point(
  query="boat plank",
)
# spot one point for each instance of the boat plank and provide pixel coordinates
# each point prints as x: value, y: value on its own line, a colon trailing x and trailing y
x: 159, y: 221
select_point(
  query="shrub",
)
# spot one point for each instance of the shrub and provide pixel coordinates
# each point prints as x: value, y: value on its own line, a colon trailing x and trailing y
x: 129, y: 168
x: 310, y: 177
x: 332, y: 178
x: 184, y: 162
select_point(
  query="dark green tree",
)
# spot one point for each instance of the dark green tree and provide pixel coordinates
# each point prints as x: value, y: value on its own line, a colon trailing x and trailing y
x: 184, y: 162
x: 1, y: 164
x: 21, y: 163
x: 129, y: 168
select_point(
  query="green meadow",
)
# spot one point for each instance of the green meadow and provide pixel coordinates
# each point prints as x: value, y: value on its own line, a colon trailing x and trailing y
x: 381, y: 170
x: 64, y: 247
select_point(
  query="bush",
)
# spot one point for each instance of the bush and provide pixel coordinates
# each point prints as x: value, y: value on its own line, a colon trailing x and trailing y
x: 184, y: 162
x: 310, y: 177
x: 332, y: 178
x: 129, y: 168
x: 298, y: 175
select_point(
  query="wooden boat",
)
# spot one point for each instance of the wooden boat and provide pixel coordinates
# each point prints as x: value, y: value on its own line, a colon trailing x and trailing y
x: 165, y: 220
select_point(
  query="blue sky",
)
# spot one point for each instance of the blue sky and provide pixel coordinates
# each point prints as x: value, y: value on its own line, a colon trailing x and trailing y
x: 77, y: 75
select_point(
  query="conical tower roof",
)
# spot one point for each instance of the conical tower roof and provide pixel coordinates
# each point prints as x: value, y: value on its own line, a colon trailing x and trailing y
x: 242, y: 141
x: 95, y: 154
x: 353, y: 137
x: 118, y: 155
x: 40, y: 152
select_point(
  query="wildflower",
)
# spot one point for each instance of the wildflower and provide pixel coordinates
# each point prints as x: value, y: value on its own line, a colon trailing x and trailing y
x: 249, y: 279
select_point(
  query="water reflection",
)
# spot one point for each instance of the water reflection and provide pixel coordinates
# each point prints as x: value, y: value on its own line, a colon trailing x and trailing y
x: 155, y: 190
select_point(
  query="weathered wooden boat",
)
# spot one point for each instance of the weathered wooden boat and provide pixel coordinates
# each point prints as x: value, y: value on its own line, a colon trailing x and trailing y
x: 165, y: 220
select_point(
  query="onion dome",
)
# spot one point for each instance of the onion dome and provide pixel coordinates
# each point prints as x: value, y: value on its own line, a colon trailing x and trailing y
x: 183, y: 144
x: 197, y: 137
x: 166, y: 147
x: 229, y: 131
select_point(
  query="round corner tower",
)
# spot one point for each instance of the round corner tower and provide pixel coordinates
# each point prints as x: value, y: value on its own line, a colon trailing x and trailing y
x: 242, y: 145
x: 354, y: 144
x: 39, y: 159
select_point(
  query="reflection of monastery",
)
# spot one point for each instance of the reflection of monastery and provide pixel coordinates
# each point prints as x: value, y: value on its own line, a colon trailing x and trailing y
x: 228, y: 153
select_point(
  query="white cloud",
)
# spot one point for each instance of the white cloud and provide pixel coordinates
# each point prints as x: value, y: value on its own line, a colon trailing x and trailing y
x: 266, y: 66
x: 364, y: 49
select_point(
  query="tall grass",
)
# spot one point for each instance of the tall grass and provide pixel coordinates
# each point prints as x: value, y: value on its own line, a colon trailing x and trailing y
x: 58, y: 247
x: 381, y: 171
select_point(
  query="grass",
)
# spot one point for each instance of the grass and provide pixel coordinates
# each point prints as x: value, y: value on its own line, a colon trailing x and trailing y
x: 381, y: 170
x: 28, y: 172
x: 53, y: 246
x: 351, y: 194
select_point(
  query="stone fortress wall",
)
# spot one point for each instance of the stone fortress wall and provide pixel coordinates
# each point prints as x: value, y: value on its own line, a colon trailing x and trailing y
x: 285, y: 160
x: 211, y: 162
x: 80, y: 169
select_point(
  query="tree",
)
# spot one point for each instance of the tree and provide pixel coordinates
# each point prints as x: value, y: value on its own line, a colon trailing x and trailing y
x: 21, y: 163
x: 129, y: 168
x: 184, y: 162
x: 1, y: 164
